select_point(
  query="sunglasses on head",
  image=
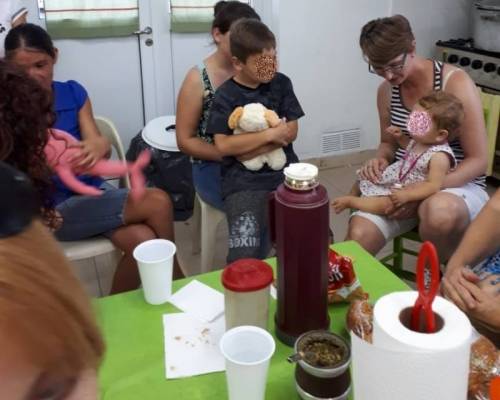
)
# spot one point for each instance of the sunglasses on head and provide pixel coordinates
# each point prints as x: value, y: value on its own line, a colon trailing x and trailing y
x: 18, y: 202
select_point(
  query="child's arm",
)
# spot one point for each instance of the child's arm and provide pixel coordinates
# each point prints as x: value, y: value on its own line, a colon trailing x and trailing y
x: 401, y: 139
x: 439, y: 165
x: 244, y: 143
x: 293, y: 127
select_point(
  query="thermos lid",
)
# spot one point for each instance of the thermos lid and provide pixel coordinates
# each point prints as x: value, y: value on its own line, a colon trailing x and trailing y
x: 247, y: 275
x: 301, y: 176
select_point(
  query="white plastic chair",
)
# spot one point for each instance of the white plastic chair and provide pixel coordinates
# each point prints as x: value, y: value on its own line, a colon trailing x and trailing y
x: 206, y: 219
x: 91, y: 248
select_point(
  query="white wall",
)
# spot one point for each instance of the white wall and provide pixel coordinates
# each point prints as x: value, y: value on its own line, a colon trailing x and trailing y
x: 322, y: 57
x: 320, y: 54
x: 433, y: 20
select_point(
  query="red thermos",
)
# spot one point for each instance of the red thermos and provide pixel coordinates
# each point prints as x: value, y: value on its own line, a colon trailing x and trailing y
x: 299, y: 225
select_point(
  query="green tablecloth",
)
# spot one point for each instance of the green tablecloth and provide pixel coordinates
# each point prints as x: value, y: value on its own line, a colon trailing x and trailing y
x: 134, y: 366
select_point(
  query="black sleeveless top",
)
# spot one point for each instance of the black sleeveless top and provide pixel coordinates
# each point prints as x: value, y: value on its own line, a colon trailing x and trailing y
x: 208, y: 96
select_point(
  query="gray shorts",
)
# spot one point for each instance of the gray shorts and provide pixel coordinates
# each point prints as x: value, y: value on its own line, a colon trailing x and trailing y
x: 247, y: 221
x: 87, y: 216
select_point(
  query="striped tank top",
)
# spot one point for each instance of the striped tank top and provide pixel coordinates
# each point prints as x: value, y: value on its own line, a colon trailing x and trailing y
x: 400, y: 114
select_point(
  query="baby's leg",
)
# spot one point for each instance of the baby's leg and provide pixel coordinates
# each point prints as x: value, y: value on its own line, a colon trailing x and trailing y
x: 374, y: 204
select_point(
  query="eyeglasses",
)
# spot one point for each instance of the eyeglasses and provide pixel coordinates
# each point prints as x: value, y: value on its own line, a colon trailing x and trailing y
x: 395, y: 68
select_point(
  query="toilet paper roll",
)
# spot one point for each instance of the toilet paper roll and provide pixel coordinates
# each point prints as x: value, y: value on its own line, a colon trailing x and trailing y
x: 402, y: 364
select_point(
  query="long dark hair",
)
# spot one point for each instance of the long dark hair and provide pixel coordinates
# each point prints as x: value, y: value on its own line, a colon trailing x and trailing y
x: 29, y: 37
x: 227, y: 12
x: 25, y: 116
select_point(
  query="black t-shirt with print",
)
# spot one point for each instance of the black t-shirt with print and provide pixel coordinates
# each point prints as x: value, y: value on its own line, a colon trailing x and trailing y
x: 276, y: 95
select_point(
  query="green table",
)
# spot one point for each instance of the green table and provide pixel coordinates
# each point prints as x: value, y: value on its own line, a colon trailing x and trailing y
x: 134, y: 366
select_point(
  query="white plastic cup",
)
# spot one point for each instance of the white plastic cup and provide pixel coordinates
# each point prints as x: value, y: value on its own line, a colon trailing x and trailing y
x: 247, y: 350
x: 155, y: 259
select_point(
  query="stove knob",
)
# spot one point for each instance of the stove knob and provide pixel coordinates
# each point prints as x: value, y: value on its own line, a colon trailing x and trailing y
x: 489, y: 67
x: 477, y: 64
x: 464, y: 61
x: 452, y: 59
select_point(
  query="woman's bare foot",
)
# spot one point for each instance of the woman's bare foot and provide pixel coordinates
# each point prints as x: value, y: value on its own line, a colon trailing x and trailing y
x: 341, y: 203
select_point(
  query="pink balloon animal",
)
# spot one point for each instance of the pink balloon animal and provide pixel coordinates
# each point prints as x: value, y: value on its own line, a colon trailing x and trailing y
x: 59, y: 153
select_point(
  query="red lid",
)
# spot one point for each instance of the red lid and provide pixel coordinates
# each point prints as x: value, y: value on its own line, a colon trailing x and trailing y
x: 247, y: 275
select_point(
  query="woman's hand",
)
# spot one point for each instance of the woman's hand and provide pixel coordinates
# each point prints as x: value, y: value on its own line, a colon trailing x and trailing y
x: 408, y: 210
x: 91, y: 151
x: 487, y: 303
x: 453, y: 287
x: 373, y: 169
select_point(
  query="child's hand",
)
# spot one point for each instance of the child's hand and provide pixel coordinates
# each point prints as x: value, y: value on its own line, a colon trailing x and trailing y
x: 394, y: 131
x: 279, y: 134
x: 399, y: 197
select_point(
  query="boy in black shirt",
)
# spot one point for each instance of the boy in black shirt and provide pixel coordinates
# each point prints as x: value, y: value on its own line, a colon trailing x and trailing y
x: 245, y: 192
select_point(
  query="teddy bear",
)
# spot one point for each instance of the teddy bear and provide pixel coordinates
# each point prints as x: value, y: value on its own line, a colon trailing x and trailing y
x: 254, y: 117
x: 60, y: 150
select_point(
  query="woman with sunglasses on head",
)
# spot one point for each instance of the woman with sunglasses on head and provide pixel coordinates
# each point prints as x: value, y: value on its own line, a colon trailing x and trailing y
x: 389, y: 47
x: 50, y: 344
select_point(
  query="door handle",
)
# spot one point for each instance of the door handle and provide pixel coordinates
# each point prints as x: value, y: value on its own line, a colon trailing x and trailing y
x: 146, y: 31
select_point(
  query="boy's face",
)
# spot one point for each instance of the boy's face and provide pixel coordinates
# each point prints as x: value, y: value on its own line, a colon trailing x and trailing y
x: 259, y: 68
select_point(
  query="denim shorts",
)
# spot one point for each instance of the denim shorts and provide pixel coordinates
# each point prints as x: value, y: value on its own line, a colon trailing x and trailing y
x: 207, y: 182
x: 87, y: 216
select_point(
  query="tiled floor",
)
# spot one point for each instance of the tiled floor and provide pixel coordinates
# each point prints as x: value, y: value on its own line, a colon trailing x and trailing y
x: 337, y: 181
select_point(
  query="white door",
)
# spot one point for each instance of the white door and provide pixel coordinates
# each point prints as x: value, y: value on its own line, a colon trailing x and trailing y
x: 134, y: 79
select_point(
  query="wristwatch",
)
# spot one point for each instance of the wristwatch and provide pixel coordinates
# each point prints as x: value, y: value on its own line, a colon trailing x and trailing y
x: 18, y: 201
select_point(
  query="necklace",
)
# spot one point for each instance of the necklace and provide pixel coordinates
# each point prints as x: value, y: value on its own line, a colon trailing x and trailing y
x: 402, y: 175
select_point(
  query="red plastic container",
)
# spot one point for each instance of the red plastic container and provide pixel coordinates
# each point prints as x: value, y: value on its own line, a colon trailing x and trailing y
x: 247, y: 287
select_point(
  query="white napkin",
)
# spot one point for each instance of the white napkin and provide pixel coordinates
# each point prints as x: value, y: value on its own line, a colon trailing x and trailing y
x: 192, y: 346
x: 199, y: 300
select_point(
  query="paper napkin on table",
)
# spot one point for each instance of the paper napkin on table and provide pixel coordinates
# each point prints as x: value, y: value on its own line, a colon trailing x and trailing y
x: 199, y: 300
x: 192, y: 346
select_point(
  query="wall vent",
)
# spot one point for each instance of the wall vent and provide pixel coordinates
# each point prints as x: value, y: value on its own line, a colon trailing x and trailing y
x: 338, y: 141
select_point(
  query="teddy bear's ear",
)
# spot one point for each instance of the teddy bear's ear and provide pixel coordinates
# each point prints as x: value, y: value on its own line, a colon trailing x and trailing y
x: 234, y: 118
x: 271, y: 118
